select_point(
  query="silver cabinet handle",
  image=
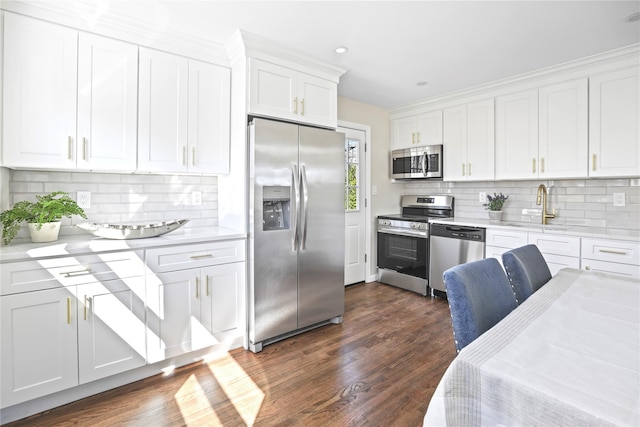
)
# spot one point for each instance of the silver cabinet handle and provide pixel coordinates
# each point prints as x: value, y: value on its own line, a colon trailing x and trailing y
x: 84, y: 148
x: 76, y: 272
x: 611, y: 251
x: 201, y: 256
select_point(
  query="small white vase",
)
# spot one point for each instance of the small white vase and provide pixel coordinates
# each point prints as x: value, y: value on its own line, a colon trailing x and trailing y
x: 495, y: 215
x: 48, y: 233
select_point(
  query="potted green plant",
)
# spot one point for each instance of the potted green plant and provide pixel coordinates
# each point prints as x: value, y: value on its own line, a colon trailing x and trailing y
x: 42, y: 217
x: 494, y: 205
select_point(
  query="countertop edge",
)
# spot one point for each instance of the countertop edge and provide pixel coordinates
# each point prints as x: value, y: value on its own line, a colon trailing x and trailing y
x: 80, y: 244
x: 576, y: 231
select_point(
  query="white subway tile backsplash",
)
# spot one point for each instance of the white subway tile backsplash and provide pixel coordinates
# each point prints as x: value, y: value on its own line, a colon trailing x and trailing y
x: 583, y: 202
x: 118, y: 198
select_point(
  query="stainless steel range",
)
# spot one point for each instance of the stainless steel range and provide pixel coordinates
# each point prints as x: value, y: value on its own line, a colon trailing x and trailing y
x: 403, y: 241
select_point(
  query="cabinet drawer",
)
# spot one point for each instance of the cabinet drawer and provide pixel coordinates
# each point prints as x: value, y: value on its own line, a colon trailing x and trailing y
x: 558, y: 262
x: 192, y: 256
x: 505, y: 239
x: 556, y: 244
x: 611, y: 250
x: 626, y: 270
x: 51, y: 273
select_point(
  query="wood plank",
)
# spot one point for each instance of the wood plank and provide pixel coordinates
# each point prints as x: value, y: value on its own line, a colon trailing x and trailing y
x: 379, y: 367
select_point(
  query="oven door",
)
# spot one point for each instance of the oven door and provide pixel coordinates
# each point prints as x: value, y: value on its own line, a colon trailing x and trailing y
x: 404, y: 253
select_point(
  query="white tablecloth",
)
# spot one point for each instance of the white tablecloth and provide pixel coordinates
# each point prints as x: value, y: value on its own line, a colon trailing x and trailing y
x: 568, y: 356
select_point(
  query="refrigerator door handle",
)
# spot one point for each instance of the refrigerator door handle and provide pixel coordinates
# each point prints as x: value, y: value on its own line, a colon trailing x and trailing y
x: 296, y: 207
x: 305, y: 207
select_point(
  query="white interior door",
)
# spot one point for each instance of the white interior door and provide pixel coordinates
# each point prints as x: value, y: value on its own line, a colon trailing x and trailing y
x: 355, y: 204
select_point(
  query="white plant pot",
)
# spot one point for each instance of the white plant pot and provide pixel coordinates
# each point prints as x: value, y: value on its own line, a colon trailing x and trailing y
x: 48, y: 233
x: 495, y: 215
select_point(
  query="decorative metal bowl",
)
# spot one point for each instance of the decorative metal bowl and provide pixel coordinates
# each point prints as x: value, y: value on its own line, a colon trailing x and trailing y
x: 125, y: 232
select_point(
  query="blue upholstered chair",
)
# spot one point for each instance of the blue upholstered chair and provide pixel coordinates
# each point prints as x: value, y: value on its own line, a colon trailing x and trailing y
x: 526, y: 269
x: 479, y: 296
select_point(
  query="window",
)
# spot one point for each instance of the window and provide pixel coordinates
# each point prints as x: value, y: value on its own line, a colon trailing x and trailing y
x: 352, y: 175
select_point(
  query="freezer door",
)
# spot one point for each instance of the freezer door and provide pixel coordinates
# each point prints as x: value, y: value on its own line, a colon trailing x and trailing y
x: 273, y: 270
x: 321, y: 254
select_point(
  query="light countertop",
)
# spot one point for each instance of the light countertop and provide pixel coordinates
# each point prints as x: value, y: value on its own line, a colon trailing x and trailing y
x: 21, y: 250
x: 528, y: 227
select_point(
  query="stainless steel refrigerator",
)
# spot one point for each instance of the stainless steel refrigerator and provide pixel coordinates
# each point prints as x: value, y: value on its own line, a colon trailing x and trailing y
x: 296, y: 230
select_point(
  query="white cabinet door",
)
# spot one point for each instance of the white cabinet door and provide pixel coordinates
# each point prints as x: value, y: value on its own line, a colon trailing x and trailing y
x: 273, y: 90
x: 429, y: 128
x: 111, y: 328
x: 517, y: 135
x: 172, y: 312
x: 563, y: 138
x: 281, y: 92
x: 318, y: 100
x: 403, y: 132
x: 469, y: 142
x: 455, y: 144
x: 614, y: 123
x: 227, y: 293
x: 39, y: 100
x: 39, y: 344
x: 162, y: 112
x: 107, y: 104
x: 481, y: 140
x: 209, y: 118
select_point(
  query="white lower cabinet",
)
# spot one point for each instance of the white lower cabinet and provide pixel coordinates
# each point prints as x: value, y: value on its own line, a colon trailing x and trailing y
x: 559, y: 251
x: 500, y: 241
x: 611, y: 256
x: 39, y: 344
x: 193, y: 308
x: 111, y: 328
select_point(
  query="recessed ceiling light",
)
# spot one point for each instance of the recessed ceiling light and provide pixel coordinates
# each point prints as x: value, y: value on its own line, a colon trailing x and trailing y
x: 341, y: 49
x: 633, y: 17
x: 422, y: 83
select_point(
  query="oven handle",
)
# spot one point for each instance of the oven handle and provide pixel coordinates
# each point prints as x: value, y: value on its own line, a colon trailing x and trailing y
x: 418, y: 234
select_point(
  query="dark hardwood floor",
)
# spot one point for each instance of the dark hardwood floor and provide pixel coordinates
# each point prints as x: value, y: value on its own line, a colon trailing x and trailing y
x: 379, y: 368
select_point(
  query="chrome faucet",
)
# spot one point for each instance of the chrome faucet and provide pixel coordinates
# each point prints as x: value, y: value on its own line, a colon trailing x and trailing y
x: 542, y: 199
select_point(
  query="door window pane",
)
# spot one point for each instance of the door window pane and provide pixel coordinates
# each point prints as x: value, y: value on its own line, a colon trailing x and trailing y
x: 352, y: 175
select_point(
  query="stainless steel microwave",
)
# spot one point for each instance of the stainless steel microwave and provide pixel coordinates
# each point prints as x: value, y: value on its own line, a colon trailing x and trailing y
x: 417, y: 162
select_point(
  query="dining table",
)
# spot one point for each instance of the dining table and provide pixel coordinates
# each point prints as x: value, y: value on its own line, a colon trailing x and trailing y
x: 569, y: 355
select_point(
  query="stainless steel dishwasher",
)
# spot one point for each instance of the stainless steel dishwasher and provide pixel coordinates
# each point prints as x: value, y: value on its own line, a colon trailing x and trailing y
x: 450, y: 245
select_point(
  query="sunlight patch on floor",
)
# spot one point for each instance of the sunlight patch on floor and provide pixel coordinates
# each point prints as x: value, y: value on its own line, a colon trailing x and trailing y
x: 241, y: 390
x: 194, y: 404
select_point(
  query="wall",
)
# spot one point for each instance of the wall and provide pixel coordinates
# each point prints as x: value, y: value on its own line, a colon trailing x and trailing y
x: 119, y: 198
x: 383, y: 192
x: 579, y: 202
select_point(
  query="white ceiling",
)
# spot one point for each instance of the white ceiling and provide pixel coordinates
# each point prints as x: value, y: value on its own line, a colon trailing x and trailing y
x: 452, y: 45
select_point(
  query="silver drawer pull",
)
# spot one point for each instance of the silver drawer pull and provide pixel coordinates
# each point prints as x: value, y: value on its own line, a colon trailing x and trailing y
x: 201, y: 256
x: 609, y: 251
x: 76, y: 272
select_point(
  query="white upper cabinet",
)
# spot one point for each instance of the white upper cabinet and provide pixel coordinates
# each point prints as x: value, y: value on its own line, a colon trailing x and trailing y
x: 39, y: 100
x: 209, y: 117
x: 183, y: 121
x: 162, y: 112
x: 107, y: 104
x: 563, y: 127
x: 282, y: 92
x: 53, y: 73
x: 417, y: 130
x: 469, y: 141
x: 614, y: 123
x: 542, y: 134
x: 517, y: 135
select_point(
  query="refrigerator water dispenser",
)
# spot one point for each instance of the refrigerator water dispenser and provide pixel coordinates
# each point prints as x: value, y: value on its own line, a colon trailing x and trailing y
x: 275, y: 208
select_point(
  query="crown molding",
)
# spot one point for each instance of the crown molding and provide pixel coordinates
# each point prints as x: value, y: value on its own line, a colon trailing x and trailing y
x: 133, y: 30
x: 627, y: 56
x: 246, y: 44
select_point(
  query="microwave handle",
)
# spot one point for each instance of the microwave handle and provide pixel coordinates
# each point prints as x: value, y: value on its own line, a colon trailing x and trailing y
x: 424, y: 163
